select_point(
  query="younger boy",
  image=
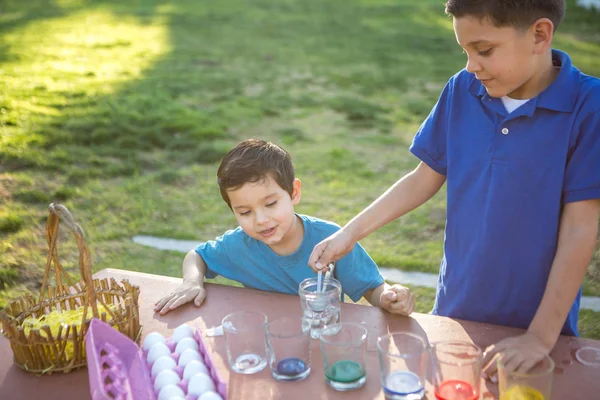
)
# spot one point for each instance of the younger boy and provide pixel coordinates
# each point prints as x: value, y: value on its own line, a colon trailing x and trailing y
x: 516, y: 137
x: 269, y: 250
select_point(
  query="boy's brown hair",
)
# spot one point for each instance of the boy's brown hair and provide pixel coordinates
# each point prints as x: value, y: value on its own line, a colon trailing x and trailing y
x: 251, y: 161
x: 517, y: 13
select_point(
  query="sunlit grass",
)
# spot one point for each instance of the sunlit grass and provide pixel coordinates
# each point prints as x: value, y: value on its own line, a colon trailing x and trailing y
x: 60, y: 66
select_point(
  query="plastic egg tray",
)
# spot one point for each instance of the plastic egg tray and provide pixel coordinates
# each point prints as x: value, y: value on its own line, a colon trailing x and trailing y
x: 117, y: 368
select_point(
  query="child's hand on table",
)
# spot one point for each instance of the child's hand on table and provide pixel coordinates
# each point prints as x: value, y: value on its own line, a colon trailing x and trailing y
x: 185, y: 293
x: 519, y: 354
x: 397, y: 299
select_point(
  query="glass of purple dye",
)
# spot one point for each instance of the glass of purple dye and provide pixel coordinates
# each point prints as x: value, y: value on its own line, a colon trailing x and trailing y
x: 288, y: 348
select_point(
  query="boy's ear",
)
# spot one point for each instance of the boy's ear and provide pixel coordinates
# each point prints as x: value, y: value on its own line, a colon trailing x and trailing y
x: 296, y: 191
x: 543, y: 31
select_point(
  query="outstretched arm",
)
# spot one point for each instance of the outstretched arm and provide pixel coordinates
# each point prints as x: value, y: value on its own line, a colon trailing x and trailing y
x: 576, y: 242
x: 405, y: 195
x: 192, y: 287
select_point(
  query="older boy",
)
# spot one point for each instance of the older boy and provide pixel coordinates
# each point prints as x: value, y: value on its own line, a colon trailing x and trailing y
x: 516, y: 136
x: 269, y: 250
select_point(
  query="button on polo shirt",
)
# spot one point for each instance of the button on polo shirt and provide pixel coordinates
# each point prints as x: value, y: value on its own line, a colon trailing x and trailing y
x: 508, y: 176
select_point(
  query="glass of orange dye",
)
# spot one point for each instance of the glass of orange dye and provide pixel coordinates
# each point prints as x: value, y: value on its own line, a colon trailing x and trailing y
x: 456, y: 370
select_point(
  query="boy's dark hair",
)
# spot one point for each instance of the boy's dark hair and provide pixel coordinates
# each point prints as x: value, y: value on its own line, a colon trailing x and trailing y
x: 251, y: 161
x: 518, y: 13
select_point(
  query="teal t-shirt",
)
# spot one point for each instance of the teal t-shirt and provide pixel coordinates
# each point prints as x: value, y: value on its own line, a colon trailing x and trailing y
x: 237, y: 256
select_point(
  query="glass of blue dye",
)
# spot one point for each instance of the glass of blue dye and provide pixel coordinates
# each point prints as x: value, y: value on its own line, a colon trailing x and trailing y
x: 288, y: 348
x: 403, y: 361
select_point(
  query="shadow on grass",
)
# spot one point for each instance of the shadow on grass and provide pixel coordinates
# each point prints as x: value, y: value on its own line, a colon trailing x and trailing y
x: 232, y: 63
x: 202, y: 87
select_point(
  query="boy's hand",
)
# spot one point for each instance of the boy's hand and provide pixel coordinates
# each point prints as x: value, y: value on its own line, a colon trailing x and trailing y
x: 519, y: 354
x: 397, y: 299
x: 185, y: 293
x: 331, y: 249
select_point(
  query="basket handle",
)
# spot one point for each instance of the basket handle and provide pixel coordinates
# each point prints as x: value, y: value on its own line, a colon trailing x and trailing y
x: 58, y: 212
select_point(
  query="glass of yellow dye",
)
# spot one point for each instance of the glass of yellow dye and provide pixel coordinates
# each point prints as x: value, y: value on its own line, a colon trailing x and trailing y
x: 533, y: 385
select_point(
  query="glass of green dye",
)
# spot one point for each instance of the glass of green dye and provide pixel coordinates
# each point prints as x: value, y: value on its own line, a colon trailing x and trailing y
x: 344, y: 350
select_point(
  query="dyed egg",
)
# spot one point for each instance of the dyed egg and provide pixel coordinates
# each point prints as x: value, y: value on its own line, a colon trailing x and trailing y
x: 194, y: 367
x: 157, y: 351
x: 186, y: 343
x: 152, y: 339
x: 200, y: 383
x: 161, y: 364
x: 164, y: 378
x: 187, y: 356
x: 182, y: 331
x: 169, y: 392
x: 210, y: 396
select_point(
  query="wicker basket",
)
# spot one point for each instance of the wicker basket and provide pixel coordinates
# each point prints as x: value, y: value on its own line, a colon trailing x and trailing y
x: 42, y: 352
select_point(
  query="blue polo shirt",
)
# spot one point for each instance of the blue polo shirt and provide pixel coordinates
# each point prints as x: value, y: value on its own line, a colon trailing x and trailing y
x: 508, y: 177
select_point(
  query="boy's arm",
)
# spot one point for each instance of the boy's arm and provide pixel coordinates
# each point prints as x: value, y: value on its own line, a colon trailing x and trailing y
x: 406, y: 194
x: 192, y: 287
x: 576, y: 242
x: 396, y: 299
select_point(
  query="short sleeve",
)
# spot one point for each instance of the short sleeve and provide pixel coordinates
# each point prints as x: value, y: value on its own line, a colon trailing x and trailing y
x: 215, y: 255
x: 358, y: 273
x: 429, y: 144
x: 582, y: 174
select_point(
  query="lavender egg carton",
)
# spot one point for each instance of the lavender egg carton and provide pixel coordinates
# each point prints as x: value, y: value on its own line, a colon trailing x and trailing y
x: 118, y: 369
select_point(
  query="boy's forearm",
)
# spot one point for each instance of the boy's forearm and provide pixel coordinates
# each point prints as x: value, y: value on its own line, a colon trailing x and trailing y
x: 406, y: 194
x: 576, y: 243
x: 194, y: 268
x: 373, y: 296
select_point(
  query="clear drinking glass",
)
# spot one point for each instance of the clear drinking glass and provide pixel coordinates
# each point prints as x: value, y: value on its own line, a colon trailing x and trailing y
x: 320, y: 308
x: 344, y: 350
x: 288, y: 348
x: 456, y: 370
x: 536, y: 384
x: 245, y: 341
x: 403, y: 361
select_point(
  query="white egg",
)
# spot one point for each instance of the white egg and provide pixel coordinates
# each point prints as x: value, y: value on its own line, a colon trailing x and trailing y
x: 170, y: 391
x: 200, y: 383
x: 194, y: 367
x: 186, y: 343
x: 161, y: 364
x: 164, y: 378
x: 182, y: 331
x: 152, y: 339
x: 210, y: 396
x: 157, y: 351
x: 187, y: 356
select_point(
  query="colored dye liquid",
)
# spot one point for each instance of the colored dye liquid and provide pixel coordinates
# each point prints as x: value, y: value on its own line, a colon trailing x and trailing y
x: 345, y: 371
x: 403, y: 385
x: 521, y: 392
x: 456, y: 390
x: 291, y: 366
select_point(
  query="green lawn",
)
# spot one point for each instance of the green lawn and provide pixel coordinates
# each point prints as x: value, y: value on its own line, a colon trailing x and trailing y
x: 122, y: 109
